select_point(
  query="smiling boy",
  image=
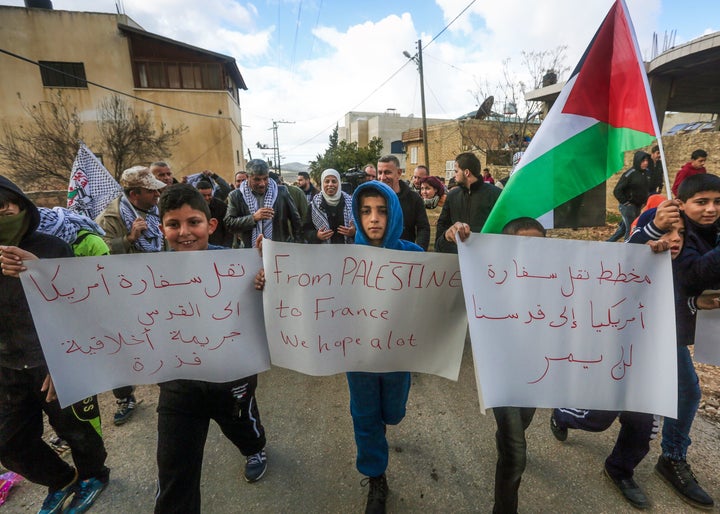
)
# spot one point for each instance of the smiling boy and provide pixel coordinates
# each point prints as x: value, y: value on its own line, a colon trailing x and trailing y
x: 185, y: 407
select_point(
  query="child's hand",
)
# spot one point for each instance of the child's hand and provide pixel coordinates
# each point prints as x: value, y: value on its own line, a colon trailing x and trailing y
x: 667, y: 214
x: 11, y: 260
x: 49, y: 388
x: 659, y: 246
x: 708, y: 301
x: 260, y: 280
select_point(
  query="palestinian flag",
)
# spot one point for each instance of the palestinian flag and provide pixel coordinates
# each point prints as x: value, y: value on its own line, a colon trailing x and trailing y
x: 604, y: 110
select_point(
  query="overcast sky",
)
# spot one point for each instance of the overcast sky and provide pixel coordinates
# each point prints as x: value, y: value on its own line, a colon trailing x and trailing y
x: 311, y: 61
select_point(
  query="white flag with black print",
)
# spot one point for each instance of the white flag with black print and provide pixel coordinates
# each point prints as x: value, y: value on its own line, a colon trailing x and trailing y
x: 91, y: 186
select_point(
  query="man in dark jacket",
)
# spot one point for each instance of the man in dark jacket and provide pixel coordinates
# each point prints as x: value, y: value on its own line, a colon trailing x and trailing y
x: 26, y: 390
x: 416, y: 227
x: 222, y: 236
x: 467, y: 207
x: 632, y: 191
x: 259, y: 206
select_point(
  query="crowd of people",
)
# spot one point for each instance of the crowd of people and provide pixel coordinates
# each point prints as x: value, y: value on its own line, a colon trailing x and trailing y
x: 157, y: 213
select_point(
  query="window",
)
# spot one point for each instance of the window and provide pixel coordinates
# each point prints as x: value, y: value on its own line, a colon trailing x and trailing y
x: 177, y: 75
x: 413, y: 155
x: 63, y: 74
x: 449, y: 170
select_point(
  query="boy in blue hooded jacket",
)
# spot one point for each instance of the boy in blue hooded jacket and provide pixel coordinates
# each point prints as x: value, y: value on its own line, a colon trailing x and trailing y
x: 377, y: 399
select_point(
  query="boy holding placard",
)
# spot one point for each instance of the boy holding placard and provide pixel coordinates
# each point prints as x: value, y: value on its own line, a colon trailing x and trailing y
x: 377, y: 399
x: 695, y: 269
x: 185, y: 407
x: 512, y: 422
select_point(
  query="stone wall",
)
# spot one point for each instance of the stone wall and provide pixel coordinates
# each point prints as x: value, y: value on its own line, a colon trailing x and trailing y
x: 677, y: 152
x: 48, y: 198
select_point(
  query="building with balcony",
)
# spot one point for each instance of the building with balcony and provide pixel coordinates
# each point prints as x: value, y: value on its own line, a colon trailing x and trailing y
x: 91, y: 56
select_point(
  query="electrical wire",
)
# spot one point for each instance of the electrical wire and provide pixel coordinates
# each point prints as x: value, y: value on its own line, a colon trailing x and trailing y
x: 332, y: 125
x: 116, y: 91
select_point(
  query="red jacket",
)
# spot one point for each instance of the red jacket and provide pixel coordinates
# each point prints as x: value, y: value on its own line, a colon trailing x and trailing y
x: 686, y: 171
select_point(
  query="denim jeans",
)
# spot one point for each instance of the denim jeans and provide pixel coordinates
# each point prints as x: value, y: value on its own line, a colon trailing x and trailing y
x: 512, y: 455
x: 376, y: 400
x: 629, y: 212
x: 676, y: 432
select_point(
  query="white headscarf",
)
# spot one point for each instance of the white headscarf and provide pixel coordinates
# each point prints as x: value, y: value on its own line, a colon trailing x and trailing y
x: 335, y: 199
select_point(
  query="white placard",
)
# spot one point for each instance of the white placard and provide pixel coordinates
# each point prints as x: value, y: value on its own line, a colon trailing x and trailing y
x: 336, y: 308
x: 110, y: 321
x: 707, y: 328
x: 560, y: 323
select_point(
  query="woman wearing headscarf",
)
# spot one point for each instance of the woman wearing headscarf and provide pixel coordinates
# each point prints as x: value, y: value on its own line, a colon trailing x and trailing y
x: 432, y: 192
x: 330, y: 217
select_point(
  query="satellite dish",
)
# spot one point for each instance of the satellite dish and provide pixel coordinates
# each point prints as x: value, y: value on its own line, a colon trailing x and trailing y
x: 485, y: 108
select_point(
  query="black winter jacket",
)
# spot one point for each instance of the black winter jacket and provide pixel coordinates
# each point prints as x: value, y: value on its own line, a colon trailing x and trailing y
x: 634, y: 185
x: 19, y: 344
x: 416, y: 226
x: 286, y: 221
x: 471, y: 206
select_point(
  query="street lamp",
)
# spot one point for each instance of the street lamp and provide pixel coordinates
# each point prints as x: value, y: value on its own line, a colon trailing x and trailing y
x: 418, y: 60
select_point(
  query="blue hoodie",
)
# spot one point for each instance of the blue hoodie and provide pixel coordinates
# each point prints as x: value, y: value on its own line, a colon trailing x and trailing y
x: 394, y: 227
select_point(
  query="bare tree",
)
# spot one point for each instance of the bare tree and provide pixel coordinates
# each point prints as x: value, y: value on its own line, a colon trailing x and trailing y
x: 513, y: 118
x: 44, y: 147
x: 128, y: 137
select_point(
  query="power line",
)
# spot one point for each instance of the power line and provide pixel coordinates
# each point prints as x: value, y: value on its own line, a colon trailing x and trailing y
x: 128, y: 95
x: 295, y: 39
x: 388, y: 79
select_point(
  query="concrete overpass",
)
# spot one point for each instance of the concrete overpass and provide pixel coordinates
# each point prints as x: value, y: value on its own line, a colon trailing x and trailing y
x: 685, y: 78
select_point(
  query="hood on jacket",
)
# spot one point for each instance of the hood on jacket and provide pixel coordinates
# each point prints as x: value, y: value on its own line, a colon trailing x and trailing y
x: 639, y: 157
x: 394, y: 227
x: 26, y: 204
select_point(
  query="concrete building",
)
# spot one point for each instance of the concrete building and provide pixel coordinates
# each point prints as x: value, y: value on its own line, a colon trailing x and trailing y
x: 361, y: 127
x: 486, y: 138
x: 76, y: 52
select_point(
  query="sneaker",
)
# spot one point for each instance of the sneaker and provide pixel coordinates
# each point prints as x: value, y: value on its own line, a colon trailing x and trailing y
x: 377, y: 495
x: 630, y: 491
x: 255, y: 466
x: 55, y: 501
x: 559, y: 432
x: 86, y: 492
x: 125, y: 410
x: 678, y: 475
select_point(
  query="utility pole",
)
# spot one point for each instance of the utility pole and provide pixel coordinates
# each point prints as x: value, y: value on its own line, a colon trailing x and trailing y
x: 419, y: 61
x: 276, y: 144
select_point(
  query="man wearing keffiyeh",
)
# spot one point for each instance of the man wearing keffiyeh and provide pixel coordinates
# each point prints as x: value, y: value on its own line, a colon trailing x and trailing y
x: 132, y: 225
x: 259, y: 206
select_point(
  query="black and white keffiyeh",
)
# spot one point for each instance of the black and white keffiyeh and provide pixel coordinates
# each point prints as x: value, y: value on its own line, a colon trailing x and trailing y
x: 264, y: 227
x: 320, y: 218
x: 65, y: 224
x: 151, y: 239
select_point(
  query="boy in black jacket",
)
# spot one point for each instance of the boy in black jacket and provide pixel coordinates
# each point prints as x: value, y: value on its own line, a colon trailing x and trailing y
x: 696, y: 269
x: 632, y: 192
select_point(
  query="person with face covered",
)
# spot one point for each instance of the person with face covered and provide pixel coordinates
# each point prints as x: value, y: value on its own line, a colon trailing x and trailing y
x: 330, y: 218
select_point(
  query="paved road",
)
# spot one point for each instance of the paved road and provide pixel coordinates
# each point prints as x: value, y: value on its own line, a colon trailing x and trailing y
x: 442, y: 457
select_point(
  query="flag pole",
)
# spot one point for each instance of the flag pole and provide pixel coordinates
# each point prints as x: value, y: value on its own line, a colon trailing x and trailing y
x: 651, y: 103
